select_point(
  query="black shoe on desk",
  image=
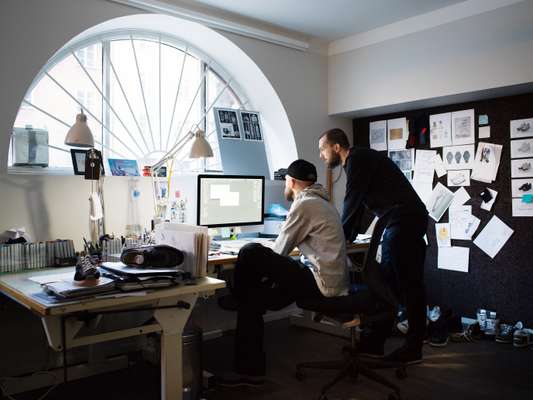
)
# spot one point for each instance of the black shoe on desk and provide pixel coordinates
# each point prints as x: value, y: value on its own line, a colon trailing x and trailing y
x: 405, y: 356
x: 159, y: 256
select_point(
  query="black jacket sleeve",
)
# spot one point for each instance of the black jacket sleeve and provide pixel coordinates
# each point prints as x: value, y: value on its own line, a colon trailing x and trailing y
x: 358, y: 177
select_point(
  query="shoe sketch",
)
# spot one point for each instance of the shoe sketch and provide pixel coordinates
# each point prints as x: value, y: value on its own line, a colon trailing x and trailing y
x: 466, y: 156
x: 525, y: 187
x: 485, y: 154
x: 525, y: 166
x: 524, y: 127
x: 458, y: 179
x: 457, y: 157
x: 449, y: 157
x: 525, y: 147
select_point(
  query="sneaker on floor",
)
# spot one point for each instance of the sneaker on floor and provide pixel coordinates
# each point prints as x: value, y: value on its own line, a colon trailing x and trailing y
x: 506, y: 332
x: 233, y: 379
x: 521, y: 338
x: 158, y: 256
x: 405, y: 356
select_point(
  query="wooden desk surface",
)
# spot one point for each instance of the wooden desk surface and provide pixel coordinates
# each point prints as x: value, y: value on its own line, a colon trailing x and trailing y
x: 18, y: 287
x: 231, y: 259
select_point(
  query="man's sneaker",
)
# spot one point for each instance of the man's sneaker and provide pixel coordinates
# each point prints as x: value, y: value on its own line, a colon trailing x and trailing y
x: 433, y: 314
x: 159, y: 256
x: 521, y: 338
x: 506, y: 332
x: 233, y: 379
x: 86, y: 268
x: 403, y: 326
x: 405, y: 356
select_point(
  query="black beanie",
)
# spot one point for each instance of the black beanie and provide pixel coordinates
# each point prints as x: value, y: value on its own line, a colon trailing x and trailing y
x: 302, y: 170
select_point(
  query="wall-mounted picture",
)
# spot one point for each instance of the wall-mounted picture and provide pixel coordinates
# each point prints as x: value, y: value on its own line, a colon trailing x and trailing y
x: 439, y: 201
x: 440, y: 130
x: 227, y: 122
x: 120, y: 167
x: 522, y: 148
x: 487, y: 162
x: 251, y: 125
x: 521, y: 128
x: 404, y: 159
x: 458, y: 157
x: 519, y: 187
x: 463, y: 131
x: 78, y: 161
x: 522, y: 168
x: 377, y: 135
x: 521, y: 209
x: 459, y: 178
x: 397, y: 133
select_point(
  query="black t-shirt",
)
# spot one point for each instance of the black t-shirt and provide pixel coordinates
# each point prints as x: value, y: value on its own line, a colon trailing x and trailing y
x: 375, y: 182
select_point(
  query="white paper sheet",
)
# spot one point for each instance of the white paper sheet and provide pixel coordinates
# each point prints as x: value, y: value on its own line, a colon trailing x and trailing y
x: 440, y: 170
x: 484, y: 132
x: 97, y: 212
x: 440, y: 128
x: 41, y: 279
x: 458, y: 157
x: 439, y: 201
x: 397, y: 133
x: 442, y: 233
x: 377, y: 135
x: 463, y: 224
x: 460, y: 197
x: 423, y: 189
x: 463, y: 127
x: 424, y: 165
x: 520, y: 187
x: 522, y: 148
x: 521, y: 128
x: 522, y: 168
x: 459, y: 178
x: 453, y: 258
x: 487, y: 162
x: 493, y: 236
x: 404, y: 159
x: 521, y: 209
x: 488, y: 205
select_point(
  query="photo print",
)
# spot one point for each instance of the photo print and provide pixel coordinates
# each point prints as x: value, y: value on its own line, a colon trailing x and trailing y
x: 522, y: 168
x: 521, y: 128
x: 439, y: 201
x: 522, y: 148
x: 463, y: 127
x: 377, y: 135
x: 519, y: 187
x: 251, y: 126
x: 404, y: 159
x: 227, y: 122
x: 487, y: 162
x: 459, y: 178
x: 440, y: 132
x: 458, y: 157
x: 397, y: 133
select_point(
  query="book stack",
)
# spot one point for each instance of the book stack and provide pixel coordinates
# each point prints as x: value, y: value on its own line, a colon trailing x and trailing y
x: 129, y: 277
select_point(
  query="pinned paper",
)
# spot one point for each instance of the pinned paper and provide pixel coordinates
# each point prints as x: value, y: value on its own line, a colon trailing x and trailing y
x: 484, y: 132
x: 460, y: 197
x: 487, y: 205
x: 493, y: 236
x: 439, y: 166
x: 527, y: 198
x: 442, y: 233
x: 483, y: 119
x: 453, y: 258
x: 463, y: 224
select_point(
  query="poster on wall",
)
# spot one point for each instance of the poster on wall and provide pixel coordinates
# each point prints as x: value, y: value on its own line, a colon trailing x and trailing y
x: 522, y: 168
x: 487, y: 162
x: 439, y: 201
x: 521, y: 128
x: 522, y: 148
x: 458, y: 157
x: 440, y: 130
x: 519, y: 187
x: 251, y: 125
x: 397, y: 133
x: 463, y: 131
x: 459, y: 178
x: 377, y: 135
x: 522, y: 209
x: 404, y: 159
x: 227, y: 122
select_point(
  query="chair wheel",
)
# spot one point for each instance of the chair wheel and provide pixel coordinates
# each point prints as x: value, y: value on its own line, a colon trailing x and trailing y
x: 300, y: 375
x: 401, y: 373
x: 394, y: 396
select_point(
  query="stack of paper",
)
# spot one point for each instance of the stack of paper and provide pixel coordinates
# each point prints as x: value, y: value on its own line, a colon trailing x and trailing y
x: 192, y: 240
x: 70, y: 289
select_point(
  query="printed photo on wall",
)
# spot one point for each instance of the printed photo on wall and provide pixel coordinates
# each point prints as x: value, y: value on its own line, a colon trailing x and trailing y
x: 227, y: 122
x: 522, y: 148
x: 439, y: 201
x: 458, y: 157
x: 463, y: 131
x: 377, y: 135
x: 404, y: 159
x: 521, y: 128
x: 397, y: 133
x: 522, y: 168
x: 251, y: 125
x: 440, y: 128
x: 120, y: 167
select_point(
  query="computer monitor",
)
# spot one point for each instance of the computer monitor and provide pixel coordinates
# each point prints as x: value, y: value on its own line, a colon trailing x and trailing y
x: 230, y: 200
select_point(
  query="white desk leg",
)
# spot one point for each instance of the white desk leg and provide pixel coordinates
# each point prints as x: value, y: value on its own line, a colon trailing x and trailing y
x: 172, y: 321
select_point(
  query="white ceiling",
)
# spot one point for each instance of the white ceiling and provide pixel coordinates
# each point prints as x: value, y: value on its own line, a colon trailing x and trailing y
x: 328, y: 19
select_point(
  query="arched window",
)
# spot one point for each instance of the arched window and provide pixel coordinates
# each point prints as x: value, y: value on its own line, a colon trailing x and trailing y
x: 141, y: 93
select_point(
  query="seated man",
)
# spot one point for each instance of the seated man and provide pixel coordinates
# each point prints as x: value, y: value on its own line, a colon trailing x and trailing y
x: 268, y: 279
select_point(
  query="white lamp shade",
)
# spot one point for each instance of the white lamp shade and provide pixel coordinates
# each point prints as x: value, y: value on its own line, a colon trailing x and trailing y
x: 79, y: 135
x: 200, y: 146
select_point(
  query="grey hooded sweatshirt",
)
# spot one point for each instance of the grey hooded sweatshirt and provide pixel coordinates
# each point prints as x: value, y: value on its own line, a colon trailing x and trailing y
x: 314, y: 226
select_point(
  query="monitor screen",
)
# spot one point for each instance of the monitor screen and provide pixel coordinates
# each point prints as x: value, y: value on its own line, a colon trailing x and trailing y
x: 230, y: 200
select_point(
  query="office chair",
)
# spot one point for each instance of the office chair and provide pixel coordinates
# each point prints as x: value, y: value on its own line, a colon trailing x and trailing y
x: 374, y: 303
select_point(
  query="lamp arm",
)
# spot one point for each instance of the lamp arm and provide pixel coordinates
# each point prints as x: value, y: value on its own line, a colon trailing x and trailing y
x: 172, y: 152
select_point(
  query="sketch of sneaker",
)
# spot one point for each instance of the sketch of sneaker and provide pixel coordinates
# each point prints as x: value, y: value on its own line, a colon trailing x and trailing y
x: 525, y: 187
x: 525, y: 147
x: 524, y: 127
x: 458, y: 179
x: 525, y: 166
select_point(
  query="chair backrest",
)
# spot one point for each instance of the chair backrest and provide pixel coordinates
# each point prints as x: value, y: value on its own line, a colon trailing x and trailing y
x: 373, y: 272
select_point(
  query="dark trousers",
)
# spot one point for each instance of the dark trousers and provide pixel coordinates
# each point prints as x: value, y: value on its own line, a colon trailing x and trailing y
x: 264, y: 280
x: 403, y: 252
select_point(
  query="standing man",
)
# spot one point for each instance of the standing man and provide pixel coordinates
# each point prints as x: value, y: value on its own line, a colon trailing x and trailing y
x: 374, y: 182
x: 268, y: 279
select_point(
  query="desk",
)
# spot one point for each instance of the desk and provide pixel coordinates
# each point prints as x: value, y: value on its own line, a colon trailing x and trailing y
x: 62, y: 327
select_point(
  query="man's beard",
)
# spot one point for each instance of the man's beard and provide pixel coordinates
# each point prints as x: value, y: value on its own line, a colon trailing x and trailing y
x: 289, y: 195
x: 335, y: 160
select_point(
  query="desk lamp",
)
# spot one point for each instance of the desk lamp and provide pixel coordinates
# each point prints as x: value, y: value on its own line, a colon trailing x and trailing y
x: 80, y: 135
x: 200, y: 148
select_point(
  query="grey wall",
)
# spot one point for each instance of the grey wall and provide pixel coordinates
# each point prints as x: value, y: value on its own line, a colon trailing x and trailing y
x: 490, y: 50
